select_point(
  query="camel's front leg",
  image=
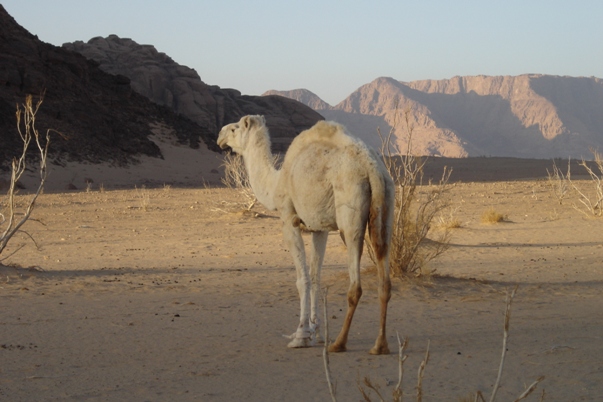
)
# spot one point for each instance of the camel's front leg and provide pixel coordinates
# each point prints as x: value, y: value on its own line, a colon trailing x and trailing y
x: 302, y: 338
x: 319, y: 245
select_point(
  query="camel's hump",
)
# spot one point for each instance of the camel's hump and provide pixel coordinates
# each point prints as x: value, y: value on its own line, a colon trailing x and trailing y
x: 326, y: 131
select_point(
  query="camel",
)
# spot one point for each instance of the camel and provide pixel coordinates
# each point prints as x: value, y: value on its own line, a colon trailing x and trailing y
x: 329, y: 181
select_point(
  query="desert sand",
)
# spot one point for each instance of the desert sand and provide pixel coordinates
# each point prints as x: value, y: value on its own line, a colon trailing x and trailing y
x: 170, y: 293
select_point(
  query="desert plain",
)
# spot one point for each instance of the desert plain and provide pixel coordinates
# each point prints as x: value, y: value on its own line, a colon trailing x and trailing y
x: 150, y: 284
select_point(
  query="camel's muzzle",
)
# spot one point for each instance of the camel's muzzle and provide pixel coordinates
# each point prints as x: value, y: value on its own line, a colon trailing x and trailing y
x: 222, y: 142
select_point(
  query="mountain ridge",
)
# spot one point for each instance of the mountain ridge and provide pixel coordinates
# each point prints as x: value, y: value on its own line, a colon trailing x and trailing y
x: 102, y: 115
x: 304, y: 96
x: 526, y: 116
x: 158, y: 77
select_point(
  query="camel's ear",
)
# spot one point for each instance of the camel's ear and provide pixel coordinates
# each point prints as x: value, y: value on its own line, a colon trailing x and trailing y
x: 246, y: 121
x: 250, y: 121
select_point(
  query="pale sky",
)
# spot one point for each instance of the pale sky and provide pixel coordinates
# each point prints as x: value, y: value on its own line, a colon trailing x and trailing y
x: 333, y: 47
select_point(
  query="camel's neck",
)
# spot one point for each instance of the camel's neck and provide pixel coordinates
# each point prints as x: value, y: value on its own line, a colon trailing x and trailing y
x: 259, y: 162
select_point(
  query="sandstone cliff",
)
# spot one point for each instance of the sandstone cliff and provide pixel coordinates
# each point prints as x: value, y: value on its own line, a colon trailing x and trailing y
x: 527, y: 116
x: 159, y: 78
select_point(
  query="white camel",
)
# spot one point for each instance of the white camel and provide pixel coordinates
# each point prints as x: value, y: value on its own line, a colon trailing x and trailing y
x: 328, y: 181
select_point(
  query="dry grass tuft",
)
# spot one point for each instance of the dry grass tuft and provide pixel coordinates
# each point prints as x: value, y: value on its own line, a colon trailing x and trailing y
x: 491, y: 217
x: 144, y: 197
x: 448, y: 221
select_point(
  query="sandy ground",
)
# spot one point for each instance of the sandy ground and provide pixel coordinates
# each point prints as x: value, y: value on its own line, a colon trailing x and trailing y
x: 172, y: 294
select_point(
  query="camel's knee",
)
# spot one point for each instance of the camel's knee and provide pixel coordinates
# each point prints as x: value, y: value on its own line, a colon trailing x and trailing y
x: 315, y: 289
x: 303, y: 283
x: 385, y: 290
x: 385, y: 283
x: 303, y: 280
x: 354, y: 294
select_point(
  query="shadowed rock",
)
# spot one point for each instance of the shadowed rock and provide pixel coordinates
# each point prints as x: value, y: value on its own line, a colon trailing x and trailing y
x: 165, y: 82
x: 104, y: 115
x: 100, y: 116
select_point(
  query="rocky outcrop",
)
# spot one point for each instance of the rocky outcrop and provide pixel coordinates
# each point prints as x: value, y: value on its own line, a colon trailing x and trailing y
x: 527, y: 116
x: 304, y: 96
x: 98, y: 114
x: 159, y: 78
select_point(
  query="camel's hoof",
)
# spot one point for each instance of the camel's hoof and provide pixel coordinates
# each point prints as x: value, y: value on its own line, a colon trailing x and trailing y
x: 379, y: 350
x: 300, y: 343
x: 336, y: 348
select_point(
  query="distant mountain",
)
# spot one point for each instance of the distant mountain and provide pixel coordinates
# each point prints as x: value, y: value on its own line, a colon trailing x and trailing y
x: 527, y: 116
x: 304, y: 96
x: 159, y: 78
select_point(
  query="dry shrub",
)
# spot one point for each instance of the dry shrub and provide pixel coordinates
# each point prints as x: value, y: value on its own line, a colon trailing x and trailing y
x: 449, y: 221
x: 26, y: 126
x: 558, y: 182
x: 417, y: 205
x: 235, y: 177
x: 491, y: 217
x: 592, y: 202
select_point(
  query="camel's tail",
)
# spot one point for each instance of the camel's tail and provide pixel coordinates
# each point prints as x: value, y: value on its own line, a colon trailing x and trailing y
x: 381, y: 212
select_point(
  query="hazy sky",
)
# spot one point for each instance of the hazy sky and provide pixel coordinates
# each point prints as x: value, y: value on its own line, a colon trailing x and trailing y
x: 333, y: 47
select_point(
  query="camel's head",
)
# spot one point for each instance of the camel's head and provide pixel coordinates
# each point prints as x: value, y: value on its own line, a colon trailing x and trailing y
x: 236, y: 135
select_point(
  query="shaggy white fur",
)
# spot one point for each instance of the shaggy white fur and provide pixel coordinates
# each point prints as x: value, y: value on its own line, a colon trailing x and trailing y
x: 329, y: 181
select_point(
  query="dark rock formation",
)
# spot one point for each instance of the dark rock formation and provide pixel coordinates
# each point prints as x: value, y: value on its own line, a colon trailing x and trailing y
x: 100, y: 116
x: 106, y: 116
x: 159, y: 78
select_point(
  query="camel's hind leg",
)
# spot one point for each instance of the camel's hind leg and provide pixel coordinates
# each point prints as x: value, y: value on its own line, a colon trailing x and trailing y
x: 354, y: 242
x: 385, y: 286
